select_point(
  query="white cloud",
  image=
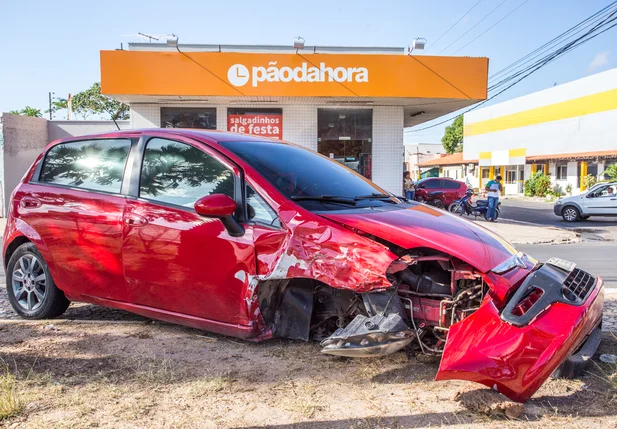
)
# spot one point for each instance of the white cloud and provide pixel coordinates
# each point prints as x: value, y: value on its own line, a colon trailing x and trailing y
x: 598, y: 61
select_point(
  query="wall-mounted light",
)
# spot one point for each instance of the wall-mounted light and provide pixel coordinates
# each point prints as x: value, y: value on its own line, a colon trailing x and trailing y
x: 298, y: 43
x: 418, y: 44
x: 172, y: 40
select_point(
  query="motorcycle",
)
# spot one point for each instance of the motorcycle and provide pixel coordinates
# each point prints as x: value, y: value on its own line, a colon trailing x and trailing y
x: 434, y: 199
x: 466, y: 206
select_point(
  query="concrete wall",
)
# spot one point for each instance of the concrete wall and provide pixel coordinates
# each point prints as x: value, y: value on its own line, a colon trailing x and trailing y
x: 63, y: 129
x: 24, y: 137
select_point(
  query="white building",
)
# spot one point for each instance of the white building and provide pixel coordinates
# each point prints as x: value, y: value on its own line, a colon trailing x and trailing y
x: 418, y: 153
x: 567, y: 131
x: 350, y: 104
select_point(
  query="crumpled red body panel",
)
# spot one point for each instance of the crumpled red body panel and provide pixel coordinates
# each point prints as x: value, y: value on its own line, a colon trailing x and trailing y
x: 315, y: 248
x: 516, y: 360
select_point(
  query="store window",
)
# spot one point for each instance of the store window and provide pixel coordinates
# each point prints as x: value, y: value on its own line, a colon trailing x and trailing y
x: 562, y: 170
x: 345, y: 135
x: 486, y: 173
x: 259, y: 122
x: 188, y: 117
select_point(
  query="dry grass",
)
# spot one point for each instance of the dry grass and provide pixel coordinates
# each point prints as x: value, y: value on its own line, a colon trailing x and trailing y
x: 11, y: 403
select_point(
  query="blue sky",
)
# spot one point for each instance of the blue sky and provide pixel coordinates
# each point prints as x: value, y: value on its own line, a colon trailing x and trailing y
x: 54, y: 45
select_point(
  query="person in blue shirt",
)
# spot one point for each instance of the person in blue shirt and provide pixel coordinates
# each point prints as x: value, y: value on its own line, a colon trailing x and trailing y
x: 493, y: 189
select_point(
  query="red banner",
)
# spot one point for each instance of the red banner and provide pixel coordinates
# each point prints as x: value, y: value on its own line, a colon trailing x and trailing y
x: 258, y: 124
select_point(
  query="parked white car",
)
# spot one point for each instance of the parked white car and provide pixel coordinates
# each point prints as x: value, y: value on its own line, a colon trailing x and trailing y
x: 599, y: 200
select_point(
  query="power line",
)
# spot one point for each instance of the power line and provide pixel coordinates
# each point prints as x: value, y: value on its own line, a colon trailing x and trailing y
x: 553, y: 41
x: 453, y: 25
x: 475, y: 38
x: 477, y: 23
x: 539, y: 64
x: 568, y: 45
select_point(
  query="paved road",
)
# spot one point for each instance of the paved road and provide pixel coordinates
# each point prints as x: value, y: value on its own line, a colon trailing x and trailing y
x: 542, y: 213
x: 596, y: 258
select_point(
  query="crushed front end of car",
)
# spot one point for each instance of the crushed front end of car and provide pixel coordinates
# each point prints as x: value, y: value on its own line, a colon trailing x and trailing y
x: 376, y: 282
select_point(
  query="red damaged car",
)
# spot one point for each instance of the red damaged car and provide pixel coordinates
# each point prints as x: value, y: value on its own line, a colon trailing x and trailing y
x: 255, y: 238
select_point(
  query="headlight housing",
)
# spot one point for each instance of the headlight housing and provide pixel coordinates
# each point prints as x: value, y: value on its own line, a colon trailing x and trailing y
x: 558, y: 202
x: 518, y: 260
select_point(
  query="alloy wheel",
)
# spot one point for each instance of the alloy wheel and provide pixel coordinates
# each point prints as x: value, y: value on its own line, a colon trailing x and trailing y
x: 570, y: 214
x: 29, y: 282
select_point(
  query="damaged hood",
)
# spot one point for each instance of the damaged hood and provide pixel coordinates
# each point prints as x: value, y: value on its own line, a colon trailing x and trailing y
x: 418, y: 225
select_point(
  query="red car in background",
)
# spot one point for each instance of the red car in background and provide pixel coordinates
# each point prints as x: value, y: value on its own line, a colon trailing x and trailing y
x: 442, y: 191
x: 256, y: 238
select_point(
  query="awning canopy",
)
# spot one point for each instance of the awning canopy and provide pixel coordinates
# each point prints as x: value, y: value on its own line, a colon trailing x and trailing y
x: 448, y: 160
x: 426, y: 86
x: 577, y: 156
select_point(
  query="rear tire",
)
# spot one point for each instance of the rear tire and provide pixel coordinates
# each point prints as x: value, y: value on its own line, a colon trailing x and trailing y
x: 29, y: 286
x: 486, y: 215
x: 570, y: 214
x: 437, y: 203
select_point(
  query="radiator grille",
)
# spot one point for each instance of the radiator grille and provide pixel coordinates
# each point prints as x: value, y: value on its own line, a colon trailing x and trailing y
x: 577, y: 286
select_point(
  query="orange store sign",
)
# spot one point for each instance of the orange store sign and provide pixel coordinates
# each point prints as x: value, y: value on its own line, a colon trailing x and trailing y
x: 259, y: 124
x: 232, y: 74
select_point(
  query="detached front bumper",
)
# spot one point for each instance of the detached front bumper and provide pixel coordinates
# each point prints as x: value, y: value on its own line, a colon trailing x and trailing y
x: 514, y: 353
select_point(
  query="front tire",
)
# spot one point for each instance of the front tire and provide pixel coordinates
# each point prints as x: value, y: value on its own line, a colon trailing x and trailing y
x: 29, y: 286
x: 456, y: 208
x: 570, y: 214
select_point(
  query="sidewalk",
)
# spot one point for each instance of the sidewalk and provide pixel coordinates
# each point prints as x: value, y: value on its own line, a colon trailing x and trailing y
x: 526, y: 234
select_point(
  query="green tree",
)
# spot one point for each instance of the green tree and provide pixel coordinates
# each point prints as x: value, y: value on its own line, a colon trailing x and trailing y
x: 58, y: 105
x: 91, y: 101
x: 28, y: 111
x: 611, y: 172
x: 452, y: 139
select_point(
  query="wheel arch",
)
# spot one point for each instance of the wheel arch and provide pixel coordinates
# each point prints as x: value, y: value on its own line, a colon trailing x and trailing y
x: 12, y: 246
x: 572, y: 204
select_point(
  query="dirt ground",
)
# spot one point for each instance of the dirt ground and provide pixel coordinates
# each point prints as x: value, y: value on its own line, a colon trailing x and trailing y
x: 134, y: 374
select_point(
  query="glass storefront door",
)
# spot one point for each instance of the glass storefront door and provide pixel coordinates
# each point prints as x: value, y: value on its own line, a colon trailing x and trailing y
x: 345, y: 135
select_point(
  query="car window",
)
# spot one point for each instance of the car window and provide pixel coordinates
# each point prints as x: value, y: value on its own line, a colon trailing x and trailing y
x: 432, y: 184
x: 448, y: 184
x: 261, y: 211
x: 180, y: 174
x: 298, y: 172
x: 91, y: 164
x: 609, y: 191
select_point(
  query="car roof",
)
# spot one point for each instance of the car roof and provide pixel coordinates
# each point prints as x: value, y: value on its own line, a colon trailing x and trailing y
x: 213, y: 136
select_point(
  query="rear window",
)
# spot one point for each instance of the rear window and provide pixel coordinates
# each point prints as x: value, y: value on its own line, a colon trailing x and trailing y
x: 90, y: 164
x: 452, y: 185
x: 432, y: 184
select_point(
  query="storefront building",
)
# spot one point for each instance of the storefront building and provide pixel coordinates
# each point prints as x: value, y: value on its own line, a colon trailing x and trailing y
x: 566, y: 132
x: 350, y: 104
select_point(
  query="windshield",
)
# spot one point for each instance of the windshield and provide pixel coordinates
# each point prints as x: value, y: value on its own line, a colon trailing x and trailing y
x: 301, y: 174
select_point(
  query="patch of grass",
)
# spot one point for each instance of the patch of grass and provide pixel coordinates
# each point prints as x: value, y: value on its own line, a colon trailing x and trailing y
x: 215, y: 384
x: 11, y: 403
x: 154, y: 371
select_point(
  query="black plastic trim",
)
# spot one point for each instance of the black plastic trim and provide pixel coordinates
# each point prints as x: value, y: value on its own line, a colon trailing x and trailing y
x: 550, y: 279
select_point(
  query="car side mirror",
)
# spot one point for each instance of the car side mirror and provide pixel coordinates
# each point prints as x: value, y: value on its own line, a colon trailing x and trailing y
x: 222, y: 207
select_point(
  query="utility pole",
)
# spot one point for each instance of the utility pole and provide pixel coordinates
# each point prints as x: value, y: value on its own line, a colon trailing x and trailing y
x: 50, y: 111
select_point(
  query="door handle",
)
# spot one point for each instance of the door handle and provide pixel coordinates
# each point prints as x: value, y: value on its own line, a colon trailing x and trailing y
x: 133, y: 219
x: 30, y: 203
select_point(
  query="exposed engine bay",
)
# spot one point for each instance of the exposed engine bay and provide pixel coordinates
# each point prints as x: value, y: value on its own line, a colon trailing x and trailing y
x: 432, y: 291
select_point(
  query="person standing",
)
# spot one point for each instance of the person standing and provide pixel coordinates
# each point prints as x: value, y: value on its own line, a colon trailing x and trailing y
x: 410, y: 189
x: 493, y: 189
